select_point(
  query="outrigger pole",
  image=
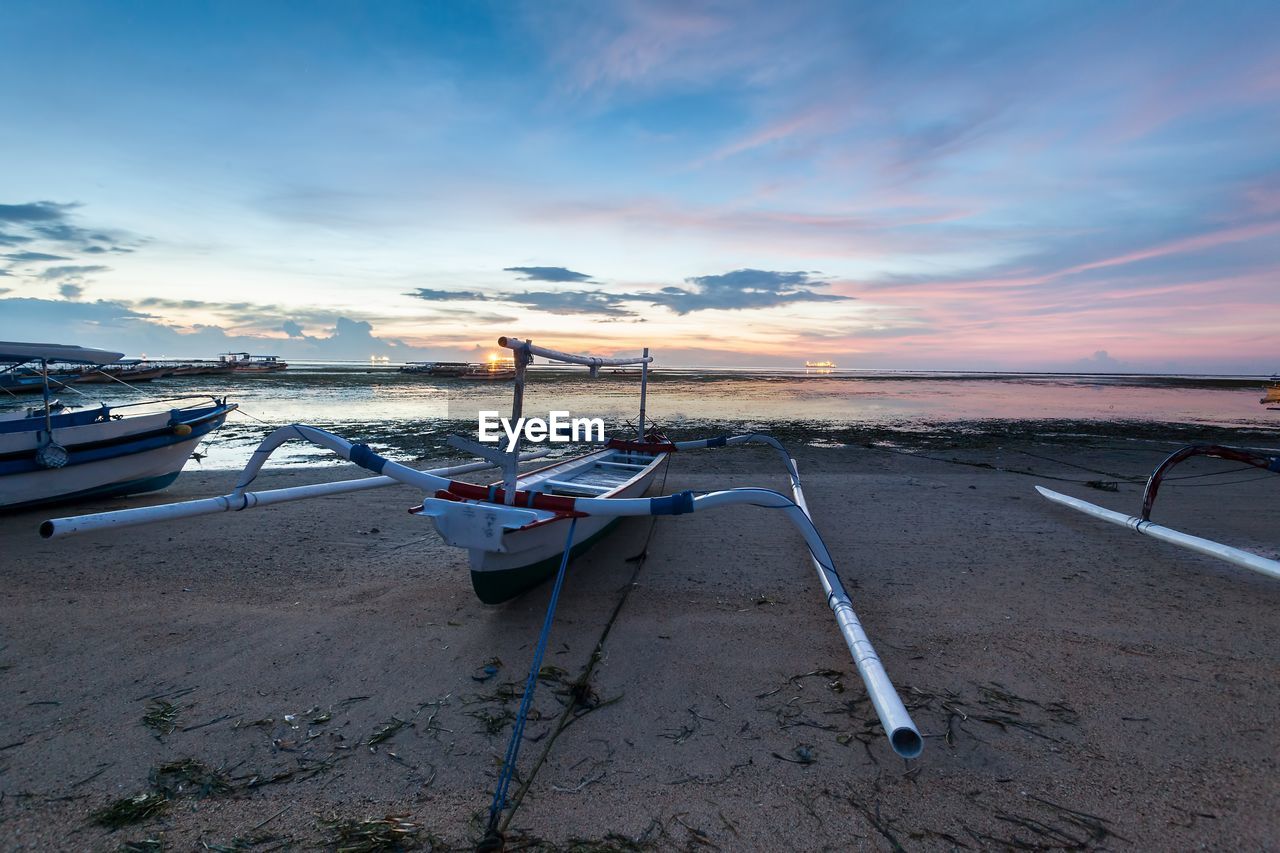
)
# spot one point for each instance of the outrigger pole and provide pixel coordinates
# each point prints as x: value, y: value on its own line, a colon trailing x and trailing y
x: 903, y: 735
x: 1146, y: 526
x: 1237, y: 556
x: 238, y: 500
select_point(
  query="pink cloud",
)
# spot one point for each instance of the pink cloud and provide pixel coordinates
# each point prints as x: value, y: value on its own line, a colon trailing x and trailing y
x: 815, y: 120
x: 1177, y: 247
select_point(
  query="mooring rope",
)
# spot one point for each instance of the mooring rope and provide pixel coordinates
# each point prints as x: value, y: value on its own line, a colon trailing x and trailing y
x: 597, y: 654
x: 517, y: 732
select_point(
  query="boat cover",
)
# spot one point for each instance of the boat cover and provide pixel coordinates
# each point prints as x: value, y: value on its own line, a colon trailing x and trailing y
x: 12, y: 351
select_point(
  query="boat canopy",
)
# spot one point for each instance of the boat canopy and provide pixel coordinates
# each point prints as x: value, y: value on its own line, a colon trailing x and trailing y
x: 12, y: 351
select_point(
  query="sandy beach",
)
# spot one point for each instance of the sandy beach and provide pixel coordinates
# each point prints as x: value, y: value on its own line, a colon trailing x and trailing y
x: 1079, y: 686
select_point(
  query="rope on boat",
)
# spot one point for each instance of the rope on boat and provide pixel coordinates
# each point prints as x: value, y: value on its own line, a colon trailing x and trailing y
x: 517, y: 731
x: 568, y: 715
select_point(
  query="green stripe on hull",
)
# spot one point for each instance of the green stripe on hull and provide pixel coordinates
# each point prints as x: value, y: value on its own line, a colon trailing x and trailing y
x: 130, y: 487
x: 496, y: 587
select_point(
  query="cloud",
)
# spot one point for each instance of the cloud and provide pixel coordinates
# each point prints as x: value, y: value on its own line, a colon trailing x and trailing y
x: 742, y: 289
x: 291, y: 329
x: 737, y: 290
x: 35, y: 211
x: 160, y: 302
x: 35, y: 256
x: 108, y: 324
x: 431, y: 295
x: 472, y: 317
x: 345, y: 327
x: 565, y: 302
x: 49, y: 223
x: 1100, y: 362
x: 552, y: 274
x: 44, y: 231
x: 71, y: 272
x: 573, y: 302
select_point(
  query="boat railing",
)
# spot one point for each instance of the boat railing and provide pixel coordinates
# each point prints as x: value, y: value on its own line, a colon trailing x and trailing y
x: 198, y: 401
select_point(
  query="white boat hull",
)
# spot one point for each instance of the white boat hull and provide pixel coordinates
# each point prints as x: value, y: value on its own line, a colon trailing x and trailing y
x: 520, y: 548
x: 95, y: 453
x: 138, y: 472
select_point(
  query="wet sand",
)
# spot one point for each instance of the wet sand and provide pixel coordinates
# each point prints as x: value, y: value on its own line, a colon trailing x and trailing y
x: 1078, y: 685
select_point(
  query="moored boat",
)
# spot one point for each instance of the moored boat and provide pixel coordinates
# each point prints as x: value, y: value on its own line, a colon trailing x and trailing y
x: 527, y: 527
x: 16, y: 379
x: 49, y: 455
x: 524, y: 556
x: 436, y: 368
x: 243, y: 362
x: 129, y: 372
x: 491, y: 371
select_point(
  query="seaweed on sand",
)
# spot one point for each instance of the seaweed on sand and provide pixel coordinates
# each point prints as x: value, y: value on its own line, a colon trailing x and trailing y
x: 161, y: 717
x: 375, y: 835
x: 188, y: 777
x: 130, y: 810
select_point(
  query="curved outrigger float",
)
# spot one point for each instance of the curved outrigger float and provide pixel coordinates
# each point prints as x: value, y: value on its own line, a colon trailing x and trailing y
x: 1143, y: 524
x: 522, y: 530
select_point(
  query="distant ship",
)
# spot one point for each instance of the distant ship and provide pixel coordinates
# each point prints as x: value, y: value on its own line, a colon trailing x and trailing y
x: 826, y: 364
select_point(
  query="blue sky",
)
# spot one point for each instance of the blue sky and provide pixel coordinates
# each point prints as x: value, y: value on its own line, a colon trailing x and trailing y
x: 914, y: 185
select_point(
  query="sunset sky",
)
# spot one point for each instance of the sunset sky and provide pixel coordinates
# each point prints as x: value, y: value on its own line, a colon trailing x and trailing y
x: 927, y: 185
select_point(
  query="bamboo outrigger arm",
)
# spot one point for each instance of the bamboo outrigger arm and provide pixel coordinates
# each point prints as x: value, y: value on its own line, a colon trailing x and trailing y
x: 236, y: 501
x: 1235, y: 454
x: 1239, y: 557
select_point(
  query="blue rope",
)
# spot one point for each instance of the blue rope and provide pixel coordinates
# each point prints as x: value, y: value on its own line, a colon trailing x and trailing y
x: 517, y: 733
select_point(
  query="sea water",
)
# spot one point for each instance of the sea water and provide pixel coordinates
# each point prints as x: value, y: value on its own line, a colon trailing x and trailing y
x: 409, y: 416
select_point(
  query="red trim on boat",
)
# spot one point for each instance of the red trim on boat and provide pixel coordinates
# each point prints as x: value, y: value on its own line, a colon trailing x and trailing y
x: 471, y: 491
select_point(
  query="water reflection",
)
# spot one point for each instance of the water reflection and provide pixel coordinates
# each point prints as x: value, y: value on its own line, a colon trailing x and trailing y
x: 409, y: 414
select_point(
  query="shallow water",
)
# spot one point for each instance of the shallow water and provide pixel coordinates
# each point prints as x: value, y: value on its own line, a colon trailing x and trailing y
x: 408, y: 417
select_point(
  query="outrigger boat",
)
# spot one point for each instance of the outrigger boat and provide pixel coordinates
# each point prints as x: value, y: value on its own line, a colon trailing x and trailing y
x: 519, y: 529
x: 1143, y: 524
x: 54, y: 453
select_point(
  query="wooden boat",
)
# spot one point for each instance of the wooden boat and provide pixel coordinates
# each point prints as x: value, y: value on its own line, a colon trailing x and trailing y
x: 49, y: 456
x: 516, y: 558
x: 498, y: 371
x: 129, y: 372
x: 526, y: 527
x: 16, y: 379
x: 493, y: 371
x: 436, y: 368
x: 243, y: 362
x: 1144, y: 525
